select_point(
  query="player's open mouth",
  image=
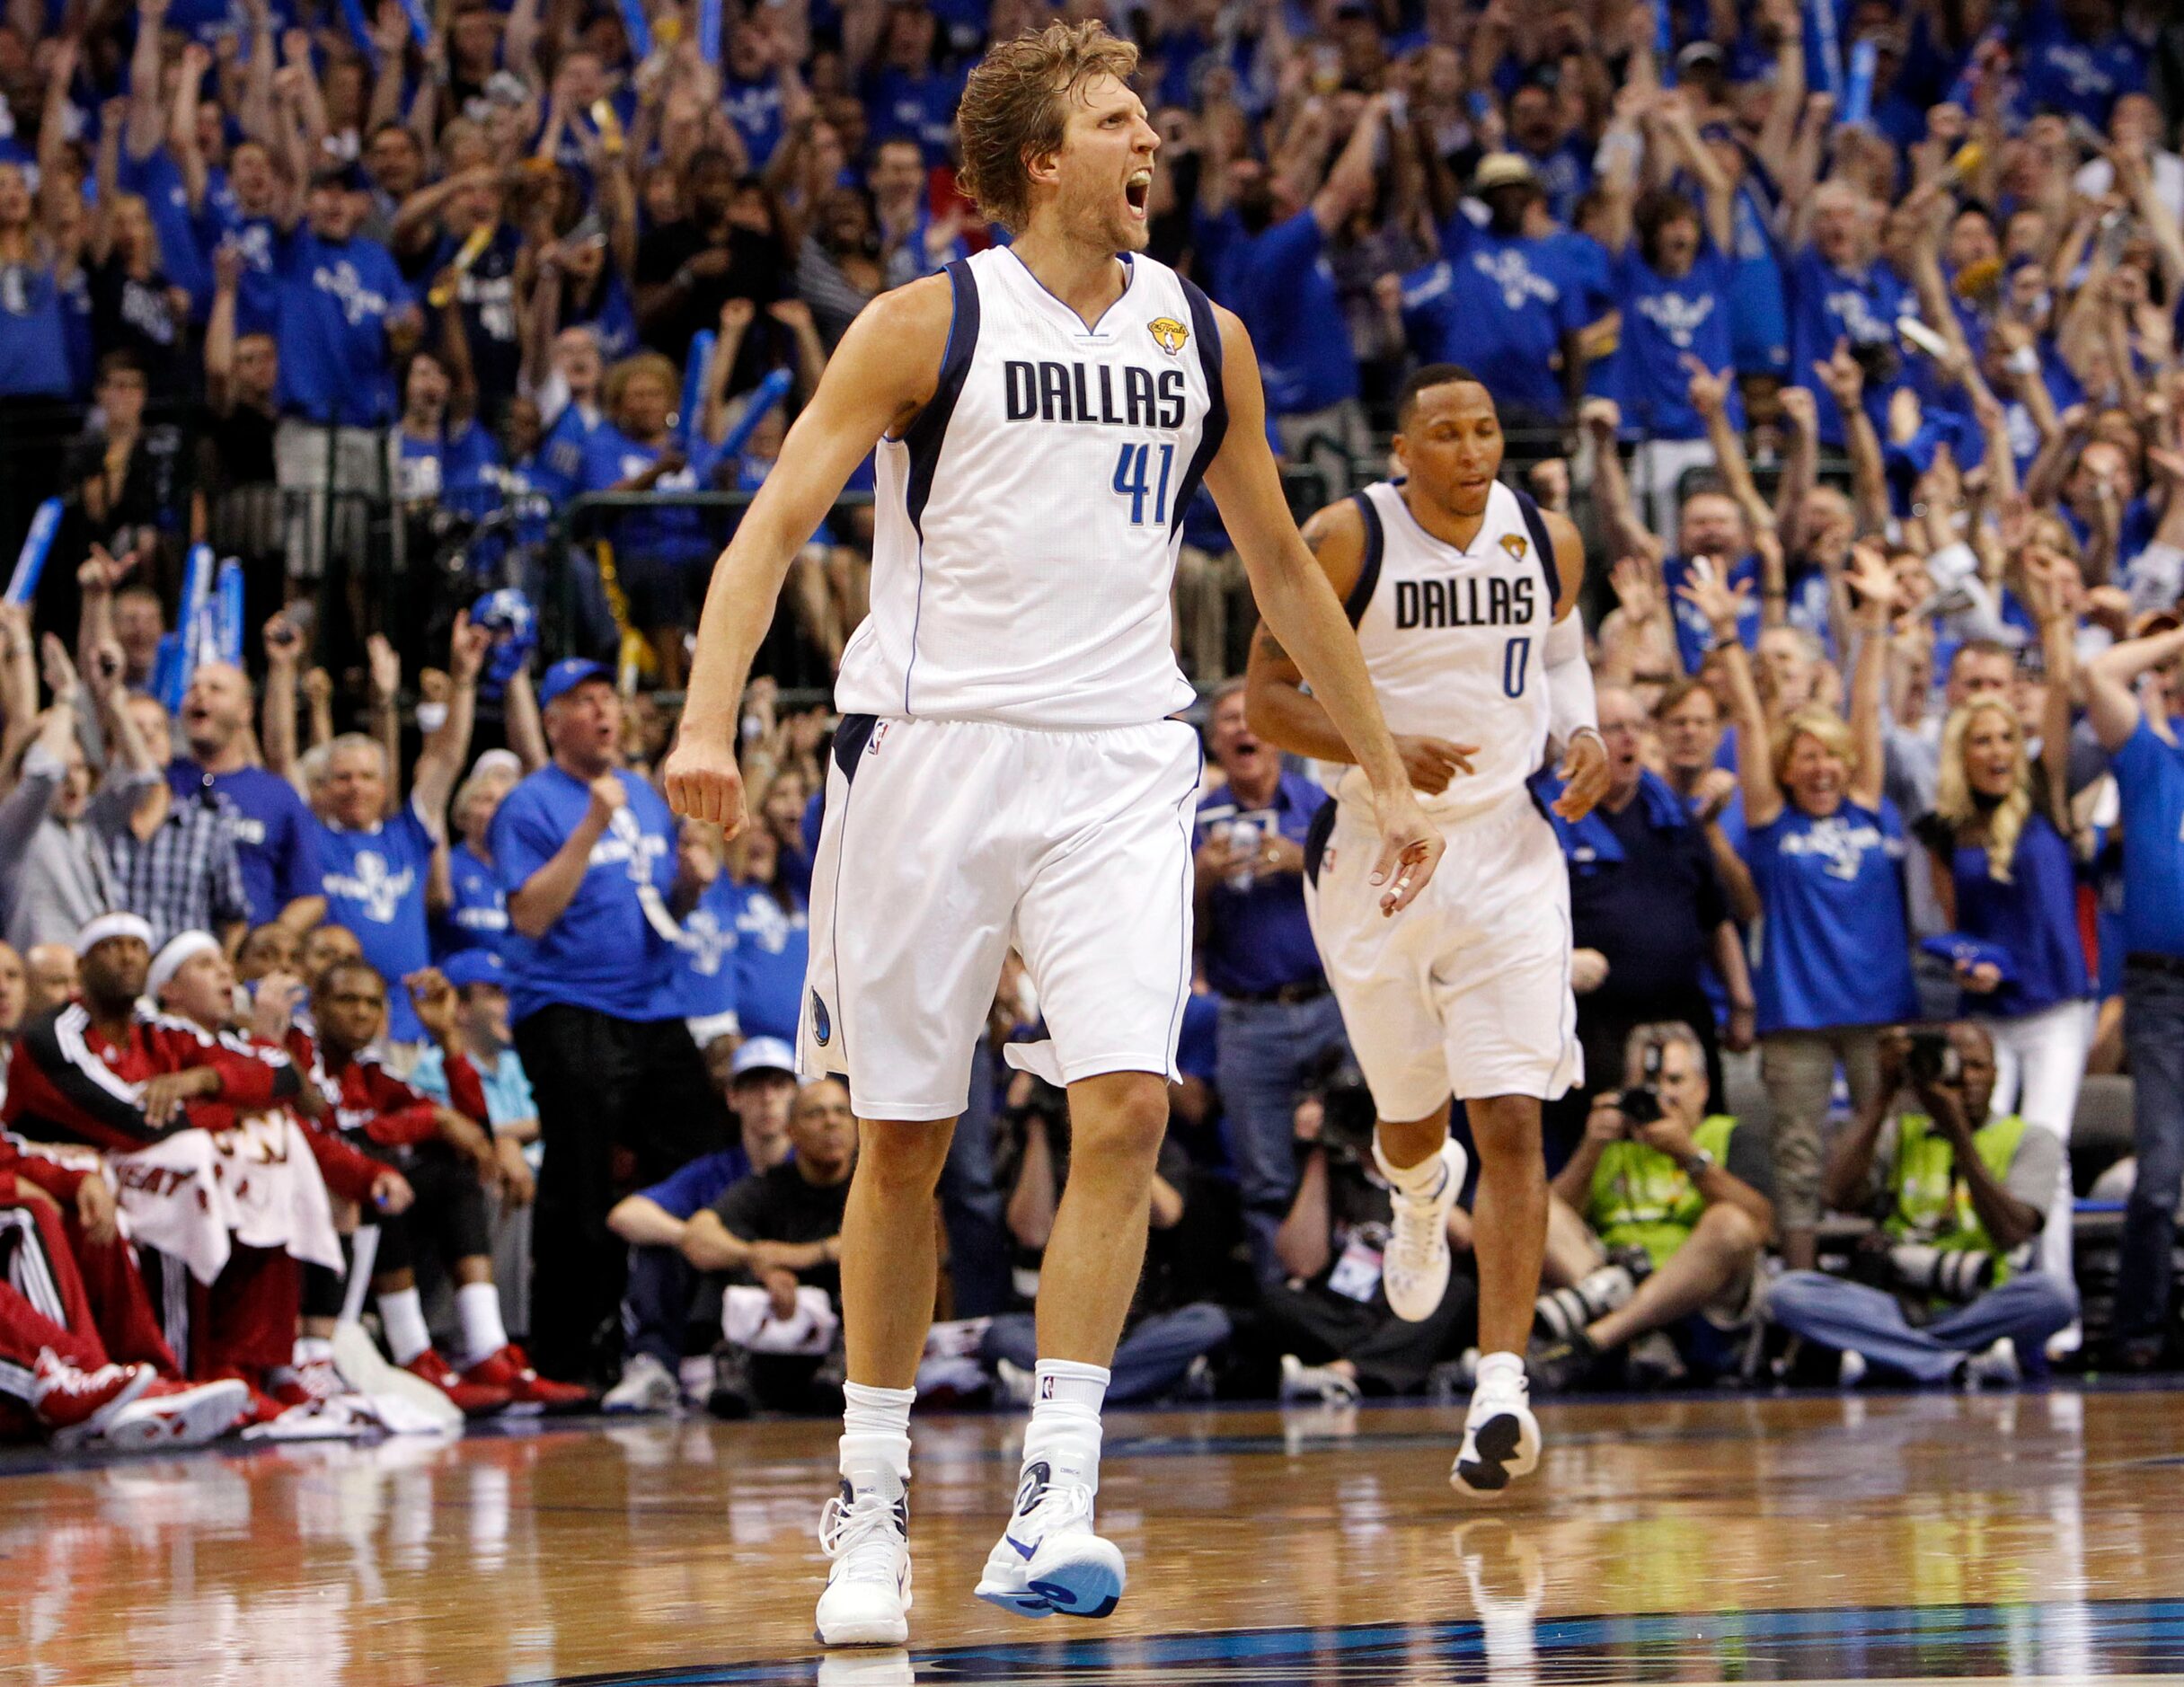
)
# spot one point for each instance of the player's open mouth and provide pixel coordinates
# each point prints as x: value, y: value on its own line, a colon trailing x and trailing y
x: 1137, y: 190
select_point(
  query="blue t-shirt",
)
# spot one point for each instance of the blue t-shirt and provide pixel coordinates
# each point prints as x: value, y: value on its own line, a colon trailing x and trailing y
x: 558, y: 470
x: 1494, y: 306
x: 610, y: 315
x: 459, y: 472
x: 34, y: 339
x: 1759, y: 316
x: 157, y: 179
x: 2034, y: 918
x: 687, y: 1193
x: 335, y: 301
x: 753, y: 107
x: 374, y: 883
x: 1279, y: 282
x: 477, y: 914
x: 603, y: 953
x: 1664, y: 322
x: 509, y: 1100
x: 2149, y: 778
x: 919, y: 108
x: 665, y: 533
x: 1836, y: 947
x: 1694, y: 634
x: 772, y: 950
x: 2072, y: 77
x: 1257, y: 938
x: 1828, y: 304
x: 258, y: 293
x: 276, y: 837
x: 705, y: 970
x: 1566, y: 176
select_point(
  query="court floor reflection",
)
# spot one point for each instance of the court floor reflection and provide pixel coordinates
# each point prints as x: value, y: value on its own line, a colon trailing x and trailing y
x: 1799, y: 1538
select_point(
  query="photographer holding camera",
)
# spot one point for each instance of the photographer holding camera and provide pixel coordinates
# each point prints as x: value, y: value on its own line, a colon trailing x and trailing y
x: 1944, y: 1282
x: 1656, y: 1222
x: 1328, y: 1322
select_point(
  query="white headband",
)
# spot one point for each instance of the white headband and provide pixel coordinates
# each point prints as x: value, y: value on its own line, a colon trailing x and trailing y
x: 181, y: 949
x: 96, y: 932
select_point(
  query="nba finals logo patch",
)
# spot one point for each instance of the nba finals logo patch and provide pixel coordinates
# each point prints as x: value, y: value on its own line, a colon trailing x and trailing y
x: 1168, y: 332
x: 1516, y: 545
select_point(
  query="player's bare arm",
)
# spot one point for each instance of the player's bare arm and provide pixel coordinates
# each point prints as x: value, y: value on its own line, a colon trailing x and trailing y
x: 1584, y: 766
x: 884, y: 371
x: 1298, y: 602
x: 1283, y: 712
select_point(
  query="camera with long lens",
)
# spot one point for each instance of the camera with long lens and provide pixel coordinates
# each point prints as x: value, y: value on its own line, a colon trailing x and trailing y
x: 1932, y: 1060
x: 1641, y: 1103
x: 1948, y: 1273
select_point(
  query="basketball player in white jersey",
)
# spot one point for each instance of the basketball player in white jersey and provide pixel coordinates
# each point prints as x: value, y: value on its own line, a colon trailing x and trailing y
x: 1009, y: 771
x: 1462, y: 592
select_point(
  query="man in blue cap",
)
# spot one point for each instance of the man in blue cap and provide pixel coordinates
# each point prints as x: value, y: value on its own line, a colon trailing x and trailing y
x: 585, y: 852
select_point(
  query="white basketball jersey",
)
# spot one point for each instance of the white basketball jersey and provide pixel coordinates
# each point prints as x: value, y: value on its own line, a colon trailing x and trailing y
x: 1027, y: 523
x: 1453, y: 639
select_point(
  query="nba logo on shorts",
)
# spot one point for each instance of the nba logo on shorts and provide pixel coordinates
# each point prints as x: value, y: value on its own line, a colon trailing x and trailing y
x: 1046, y: 1388
x: 822, y: 1024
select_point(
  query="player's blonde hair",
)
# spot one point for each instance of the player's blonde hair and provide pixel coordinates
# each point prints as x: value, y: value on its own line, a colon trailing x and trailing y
x: 1953, y: 800
x: 1016, y: 104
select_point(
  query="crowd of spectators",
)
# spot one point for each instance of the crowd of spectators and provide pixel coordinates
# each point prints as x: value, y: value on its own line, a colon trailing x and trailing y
x: 1847, y: 333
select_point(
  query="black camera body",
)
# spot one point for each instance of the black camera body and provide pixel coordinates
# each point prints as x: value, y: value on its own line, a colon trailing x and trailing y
x: 1933, y: 1059
x: 1640, y: 1104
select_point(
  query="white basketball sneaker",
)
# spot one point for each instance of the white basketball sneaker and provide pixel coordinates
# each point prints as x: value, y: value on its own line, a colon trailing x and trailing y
x: 1415, y: 1272
x: 866, y: 1601
x: 1048, y: 1560
x: 1501, y: 1439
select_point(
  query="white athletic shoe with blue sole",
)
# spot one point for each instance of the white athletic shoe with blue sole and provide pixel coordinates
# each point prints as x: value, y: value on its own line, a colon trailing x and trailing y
x: 1048, y: 1561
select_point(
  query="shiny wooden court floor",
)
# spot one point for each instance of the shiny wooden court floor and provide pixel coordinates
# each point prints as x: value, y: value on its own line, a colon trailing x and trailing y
x: 1883, y: 1537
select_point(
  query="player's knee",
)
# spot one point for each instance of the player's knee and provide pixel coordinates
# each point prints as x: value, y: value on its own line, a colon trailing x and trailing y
x: 1124, y: 1120
x: 1505, y: 1129
x: 903, y: 1159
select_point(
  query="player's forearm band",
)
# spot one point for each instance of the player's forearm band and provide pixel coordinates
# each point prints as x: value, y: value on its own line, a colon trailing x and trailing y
x: 1570, y: 705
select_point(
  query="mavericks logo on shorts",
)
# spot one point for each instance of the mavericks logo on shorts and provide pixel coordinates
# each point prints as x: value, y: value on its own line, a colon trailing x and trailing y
x: 822, y: 1024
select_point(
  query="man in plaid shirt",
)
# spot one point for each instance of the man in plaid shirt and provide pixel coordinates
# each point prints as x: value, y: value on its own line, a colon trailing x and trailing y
x: 175, y: 863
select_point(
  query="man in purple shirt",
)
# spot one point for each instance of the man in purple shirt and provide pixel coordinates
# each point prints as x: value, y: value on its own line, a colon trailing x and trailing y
x: 273, y: 839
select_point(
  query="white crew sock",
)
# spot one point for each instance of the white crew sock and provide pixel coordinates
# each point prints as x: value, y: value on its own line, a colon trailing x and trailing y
x: 876, y: 1438
x: 478, y: 1304
x: 1421, y: 1182
x: 402, y: 1314
x: 1499, y: 1373
x: 1064, y: 1427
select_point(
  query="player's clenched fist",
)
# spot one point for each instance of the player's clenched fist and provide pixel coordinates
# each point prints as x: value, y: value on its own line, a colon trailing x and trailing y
x: 703, y: 782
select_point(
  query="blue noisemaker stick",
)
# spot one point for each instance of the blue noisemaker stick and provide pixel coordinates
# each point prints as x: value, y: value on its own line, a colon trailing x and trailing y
x: 640, y: 32
x: 30, y: 560
x: 1664, y: 44
x: 709, y: 30
x: 228, y: 603
x: 1824, y: 46
x: 166, y: 665
x: 699, y: 368
x: 359, y: 29
x: 1858, y: 97
x: 767, y: 393
x: 421, y: 26
x: 197, y: 583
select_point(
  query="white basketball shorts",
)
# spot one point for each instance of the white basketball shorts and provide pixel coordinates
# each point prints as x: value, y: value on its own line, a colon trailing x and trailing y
x: 1466, y: 992
x: 948, y: 842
